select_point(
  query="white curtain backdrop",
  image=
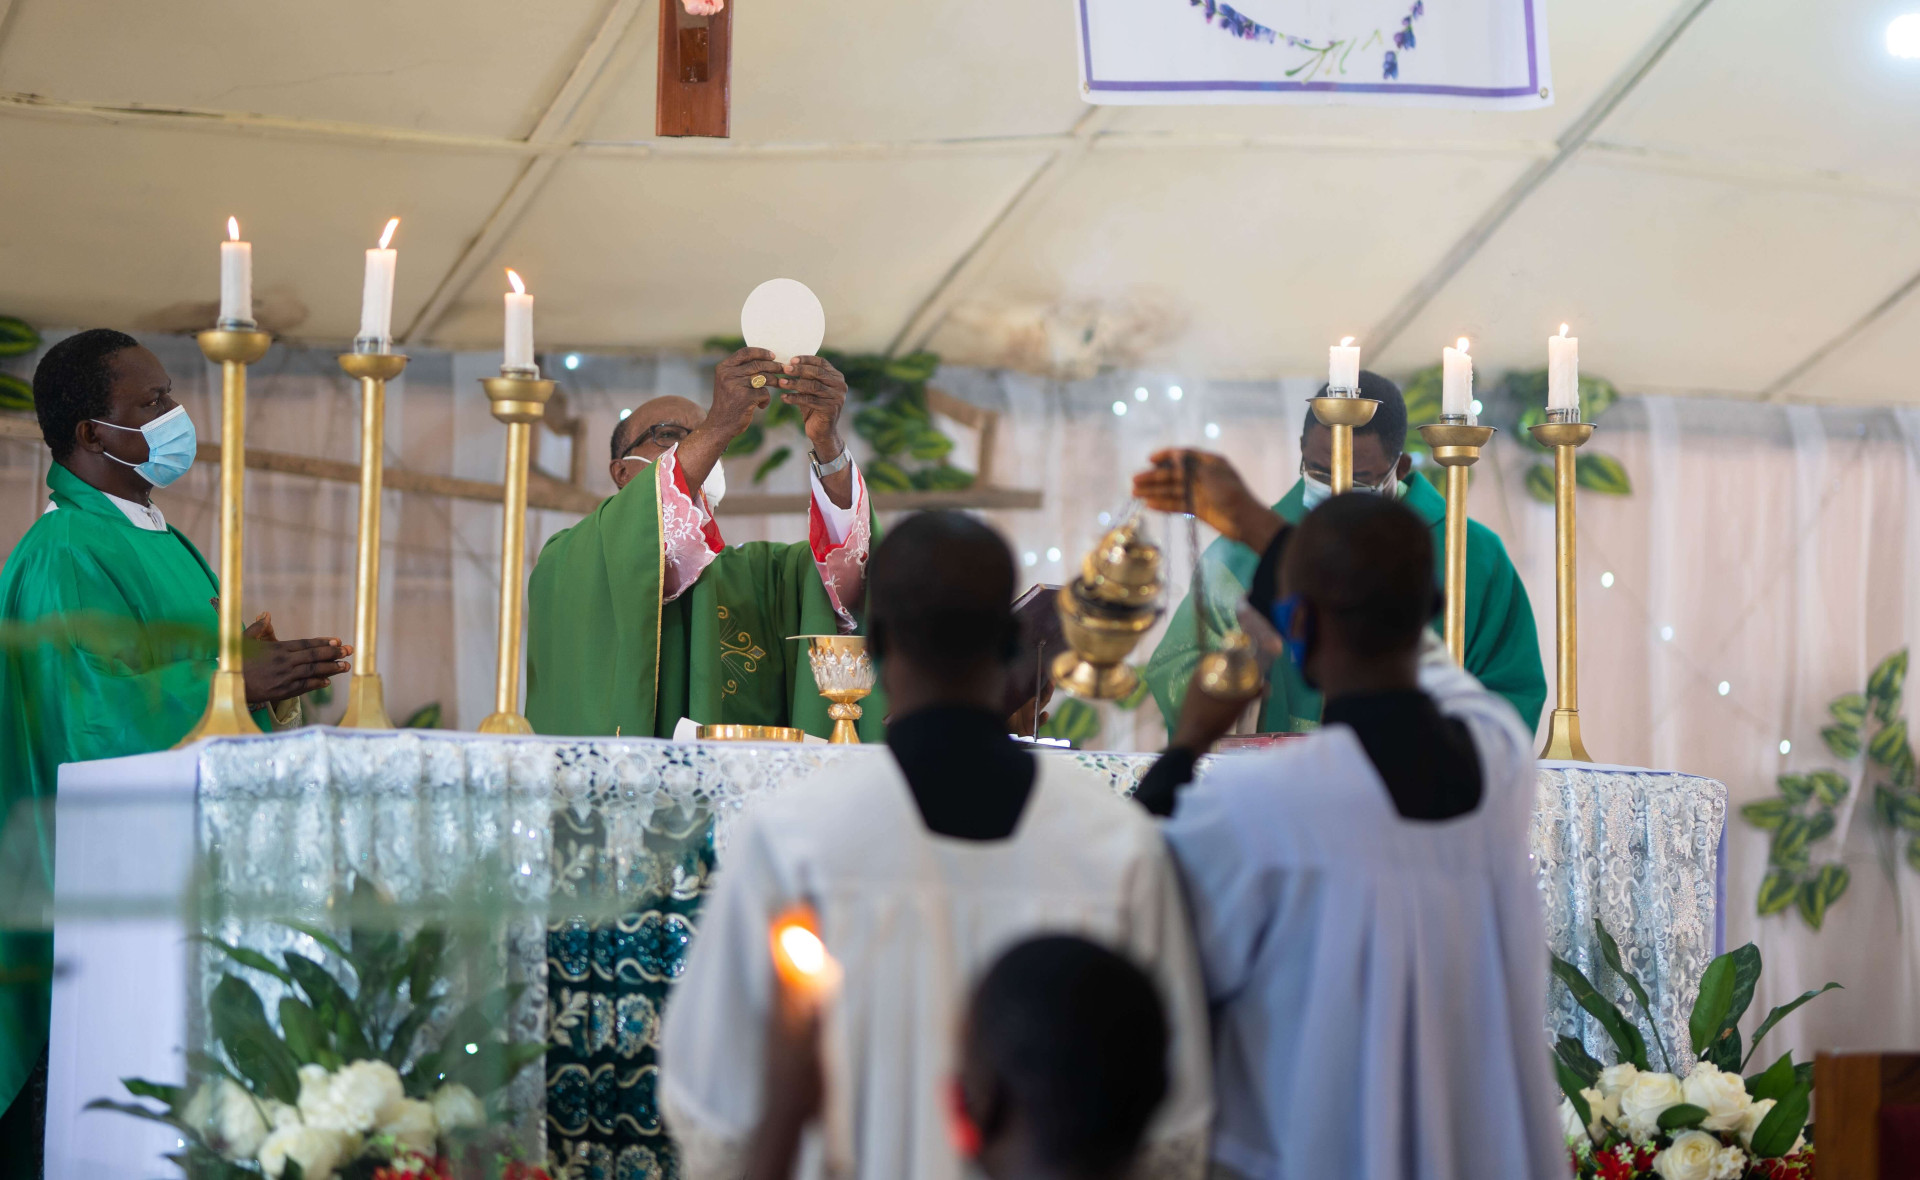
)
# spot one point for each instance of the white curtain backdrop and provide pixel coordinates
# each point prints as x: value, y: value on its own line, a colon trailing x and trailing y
x: 1773, y: 548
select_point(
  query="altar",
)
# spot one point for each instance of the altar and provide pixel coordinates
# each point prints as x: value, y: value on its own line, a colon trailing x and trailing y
x: 592, y: 857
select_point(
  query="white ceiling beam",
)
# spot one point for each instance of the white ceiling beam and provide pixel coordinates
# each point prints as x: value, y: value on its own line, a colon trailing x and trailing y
x: 1508, y: 203
x: 565, y: 121
x: 993, y: 237
x: 1782, y: 384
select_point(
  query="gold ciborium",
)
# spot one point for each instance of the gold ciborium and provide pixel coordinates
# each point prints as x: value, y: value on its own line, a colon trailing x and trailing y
x: 843, y: 672
x: 1105, y: 611
x: 750, y: 733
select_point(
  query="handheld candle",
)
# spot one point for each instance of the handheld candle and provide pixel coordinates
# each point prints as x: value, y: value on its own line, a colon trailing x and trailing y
x: 800, y: 958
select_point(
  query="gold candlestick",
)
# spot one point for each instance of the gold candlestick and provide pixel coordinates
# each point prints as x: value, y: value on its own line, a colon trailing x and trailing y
x: 1340, y: 411
x: 235, y: 349
x: 519, y: 401
x: 1563, y: 731
x: 366, y: 701
x: 843, y: 672
x: 1456, y: 446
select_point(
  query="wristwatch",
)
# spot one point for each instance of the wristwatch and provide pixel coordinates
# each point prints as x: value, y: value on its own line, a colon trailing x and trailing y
x: 823, y: 470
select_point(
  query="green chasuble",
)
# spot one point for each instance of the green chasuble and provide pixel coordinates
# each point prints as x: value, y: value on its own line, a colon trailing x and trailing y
x: 108, y: 640
x: 604, y: 652
x: 1503, y: 649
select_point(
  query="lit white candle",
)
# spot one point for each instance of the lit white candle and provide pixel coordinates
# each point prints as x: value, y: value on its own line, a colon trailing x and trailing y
x: 376, y: 294
x: 236, y: 277
x: 518, y: 353
x: 1563, y: 372
x: 1343, y: 365
x: 1456, y: 385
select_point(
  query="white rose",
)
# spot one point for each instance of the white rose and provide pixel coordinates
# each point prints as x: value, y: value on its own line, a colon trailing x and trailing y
x: 1616, y: 1078
x: 199, y: 1108
x: 412, y: 1124
x: 239, y: 1124
x: 1645, y: 1099
x: 455, y: 1106
x: 317, y: 1106
x: 1690, y: 1157
x: 1722, y: 1095
x: 1729, y: 1163
x: 279, y: 1114
x: 1606, y: 1111
x: 360, y: 1093
x: 319, y: 1152
x: 1570, y: 1126
x: 1751, y: 1118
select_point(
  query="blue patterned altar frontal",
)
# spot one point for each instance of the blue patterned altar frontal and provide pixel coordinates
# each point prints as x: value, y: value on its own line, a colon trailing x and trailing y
x: 1479, y: 54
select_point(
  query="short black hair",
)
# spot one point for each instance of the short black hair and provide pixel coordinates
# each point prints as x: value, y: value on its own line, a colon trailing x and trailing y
x: 71, y: 384
x: 940, y: 594
x: 1367, y: 561
x: 1389, y: 423
x: 1072, y: 1037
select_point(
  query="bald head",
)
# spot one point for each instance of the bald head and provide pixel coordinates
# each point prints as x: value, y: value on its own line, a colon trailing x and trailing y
x: 940, y: 594
x: 663, y: 412
x: 1365, y: 566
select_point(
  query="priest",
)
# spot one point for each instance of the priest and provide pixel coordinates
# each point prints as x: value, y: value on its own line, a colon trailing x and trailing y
x: 1503, y: 648
x: 641, y: 614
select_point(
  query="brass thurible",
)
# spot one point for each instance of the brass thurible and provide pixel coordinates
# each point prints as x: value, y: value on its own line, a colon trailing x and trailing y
x: 1340, y: 411
x: 1456, y: 446
x: 235, y: 347
x: 1105, y: 612
x: 366, y: 701
x: 1563, y: 730
x: 519, y: 399
x: 843, y: 672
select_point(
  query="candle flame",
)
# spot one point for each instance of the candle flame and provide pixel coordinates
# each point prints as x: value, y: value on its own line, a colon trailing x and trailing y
x: 1563, y: 329
x: 800, y: 958
x: 1462, y: 346
x: 804, y: 950
x: 386, y: 235
x: 519, y: 288
x: 233, y: 229
x: 1345, y: 341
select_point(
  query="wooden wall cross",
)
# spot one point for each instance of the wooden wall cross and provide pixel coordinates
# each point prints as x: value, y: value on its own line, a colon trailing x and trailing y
x: 696, y: 53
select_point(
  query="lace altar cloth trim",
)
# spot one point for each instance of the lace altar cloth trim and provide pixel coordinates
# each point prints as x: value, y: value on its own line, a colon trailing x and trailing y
x: 568, y: 821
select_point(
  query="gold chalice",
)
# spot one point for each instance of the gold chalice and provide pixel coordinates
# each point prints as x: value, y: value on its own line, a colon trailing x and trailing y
x: 843, y: 672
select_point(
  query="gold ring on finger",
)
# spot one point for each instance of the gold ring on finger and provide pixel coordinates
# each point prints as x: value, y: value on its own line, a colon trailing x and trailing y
x: 759, y: 381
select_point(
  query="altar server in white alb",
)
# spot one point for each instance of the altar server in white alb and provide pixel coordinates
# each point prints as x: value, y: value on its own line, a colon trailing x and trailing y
x: 1367, y: 917
x: 923, y: 862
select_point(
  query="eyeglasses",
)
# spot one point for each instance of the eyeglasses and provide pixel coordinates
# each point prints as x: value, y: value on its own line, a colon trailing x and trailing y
x: 1322, y: 475
x: 666, y: 434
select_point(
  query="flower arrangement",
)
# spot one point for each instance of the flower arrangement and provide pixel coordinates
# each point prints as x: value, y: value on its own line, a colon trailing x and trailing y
x: 1627, y: 1120
x: 354, y: 1083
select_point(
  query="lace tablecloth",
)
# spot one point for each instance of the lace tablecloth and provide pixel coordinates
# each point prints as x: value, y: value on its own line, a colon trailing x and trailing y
x: 606, y: 847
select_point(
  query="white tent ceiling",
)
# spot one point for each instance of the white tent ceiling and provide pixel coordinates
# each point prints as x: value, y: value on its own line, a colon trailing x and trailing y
x: 1724, y: 198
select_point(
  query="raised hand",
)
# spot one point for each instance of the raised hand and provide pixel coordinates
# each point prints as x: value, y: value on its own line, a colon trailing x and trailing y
x: 814, y: 387
x: 1206, y: 485
x: 735, y: 397
x: 279, y: 670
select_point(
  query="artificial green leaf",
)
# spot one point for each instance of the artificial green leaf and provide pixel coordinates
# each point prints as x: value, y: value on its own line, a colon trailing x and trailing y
x: 1073, y: 721
x: 780, y: 413
x: 913, y: 368
x: 1603, y: 474
x: 1812, y: 903
x: 1843, y: 740
x: 1632, y: 1047
x: 206, y: 1065
x: 17, y: 336
x: 1571, y: 1085
x: 159, y: 1091
x: 1724, y: 1051
x: 240, y: 1024
x: 1830, y: 787
x: 246, y: 957
x: 293, y: 1170
x: 1767, y: 813
x: 307, y: 1039
x: 746, y: 442
x: 1789, y: 848
x: 333, y: 1005
x: 930, y: 445
x: 884, y: 476
x: 944, y: 478
x: 1422, y: 395
x: 373, y: 945
x: 427, y: 716
x: 1913, y: 854
x: 1540, y: 482
x: 1776, y: 892
x: 15, y: 393
x: 1906, y: 812
x: 1776, y: 1134
x: 1889, y: 677
x: 128, y: 1108
x: 1773, y: 1082
x: 423, y: 963
x: 1683, y: 1116
x: 772, y: 463
x: 319, y: 934
x: 1796, y: 788
x: 1134, y: 699
x: 1819, y: 826
x: 492, y: 1065
x: 1886, y: 746
x: 1534, y: 415
x: 1597, y: 394
x: 400, y: 1045
x: 1573, y: 1056
x: 1610, y: 951
x: 1714, y: 1001
x: 1886, y: 806
x: 1783, y: 1011
x: 1849, y: 710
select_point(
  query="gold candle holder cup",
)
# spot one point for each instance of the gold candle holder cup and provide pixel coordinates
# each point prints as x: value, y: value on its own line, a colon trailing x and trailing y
x: 1341, y: 411
x: 1456, y: 446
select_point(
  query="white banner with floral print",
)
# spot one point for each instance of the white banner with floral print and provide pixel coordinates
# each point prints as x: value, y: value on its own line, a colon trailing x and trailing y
x: 1486, y: 54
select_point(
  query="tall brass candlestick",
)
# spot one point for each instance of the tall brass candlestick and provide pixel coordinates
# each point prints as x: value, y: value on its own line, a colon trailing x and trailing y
x: 1340, y: 412
x: 1456, y: 446
x: 1563, y: 731
x: 519, y: 401
x: 366, y: 701
x: 235, y: 349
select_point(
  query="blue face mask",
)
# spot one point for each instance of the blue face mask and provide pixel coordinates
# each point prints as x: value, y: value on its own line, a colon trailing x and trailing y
x: 1284, y: 612
x: 171, y: 443
x: 1316, y: 493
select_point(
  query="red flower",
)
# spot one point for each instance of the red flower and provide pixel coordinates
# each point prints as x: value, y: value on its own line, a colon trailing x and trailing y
x: 520, y: 1170
x: 1612, y: 1167
x: 415, y: 1167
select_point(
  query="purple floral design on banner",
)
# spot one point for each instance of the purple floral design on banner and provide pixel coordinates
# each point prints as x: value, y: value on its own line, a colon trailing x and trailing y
x: 1328, y: 58
x: 1403, y: 41
x: 1233, y: 22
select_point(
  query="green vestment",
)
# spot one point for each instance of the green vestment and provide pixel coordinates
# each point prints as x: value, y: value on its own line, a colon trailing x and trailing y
x: 603, y: 650
x: 1503, y: 649
x: 108, y: 641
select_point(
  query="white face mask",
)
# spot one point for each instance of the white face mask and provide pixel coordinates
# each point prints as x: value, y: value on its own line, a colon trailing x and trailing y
x: 1317, y: 493
x: 714, y: 487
